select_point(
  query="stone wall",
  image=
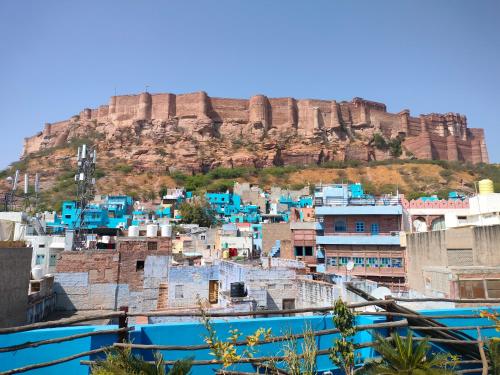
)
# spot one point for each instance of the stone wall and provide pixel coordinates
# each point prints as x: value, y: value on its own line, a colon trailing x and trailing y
x: 187, y: 285
x: 15, y: 268
x: 440, y: 251
x: 312, y: 293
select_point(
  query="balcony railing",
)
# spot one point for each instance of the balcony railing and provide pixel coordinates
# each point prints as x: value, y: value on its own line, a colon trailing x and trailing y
x: 368, y: 201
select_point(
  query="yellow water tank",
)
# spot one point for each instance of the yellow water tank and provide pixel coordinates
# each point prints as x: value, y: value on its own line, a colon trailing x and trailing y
x: 225, y: 254
x: 486, y: 186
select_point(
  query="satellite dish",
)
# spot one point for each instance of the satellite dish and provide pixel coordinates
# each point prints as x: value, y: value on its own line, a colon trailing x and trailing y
x: 381, y: 292
x: 350, y: 265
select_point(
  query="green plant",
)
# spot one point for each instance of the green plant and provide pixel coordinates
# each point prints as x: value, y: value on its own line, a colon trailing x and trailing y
x: 163, y: 191
x: 122, y: 361
x: 493, y: 352
x: 395, y: 147
x: 220, y: 186
x: 415, y: 195
x: 225, y: 350
x: 123, y: 168
x: 446, y: 174
x: 379, y: 141
x: 342, y: 351
x: 404, y: 356
x: 297, y: 186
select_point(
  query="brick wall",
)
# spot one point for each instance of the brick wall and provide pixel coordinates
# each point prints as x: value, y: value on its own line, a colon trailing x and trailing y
x: 386, y: 223
x: 272, y: 232
x: 108, y: 279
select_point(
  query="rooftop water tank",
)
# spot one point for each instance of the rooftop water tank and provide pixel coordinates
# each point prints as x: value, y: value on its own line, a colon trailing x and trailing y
x: 133, y: 231
x: 151, y: 230
x: 166, y: 230
x: 486, y: 186
x: 37, y: 272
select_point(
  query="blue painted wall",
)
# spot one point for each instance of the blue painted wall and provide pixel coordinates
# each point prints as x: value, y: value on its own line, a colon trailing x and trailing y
x: 193, y: 333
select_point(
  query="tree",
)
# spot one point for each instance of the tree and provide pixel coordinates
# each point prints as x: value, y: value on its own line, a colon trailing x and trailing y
x: 404, y: 356
x: 122, y: 361
x: 379, y: 141
x: 395, y: 147
x: 342, y: 352
x: 198, y: 212
x: 163, y: 191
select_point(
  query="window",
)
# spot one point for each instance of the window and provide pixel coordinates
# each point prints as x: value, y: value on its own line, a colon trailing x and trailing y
x: 202, y: 237
x: 332, y: 261
x: 67, y: 216
x: 139, y: 265
x: 41, y: 246
x: 372, y: 262
x: 299, y: 251
x: 375, y: 229
x: 152, y: 245
x: 493, y: 287
x: 68, y: 207
x: 385, y: 262
x: 340, y: 226
x: 344, y: 260
x: 308, y: 251
x: 40, y: 259
x: 52, y: 260
x: 360, y: 226
x: 471, y: 289
x: 359, y: 262
x: 179, y: 293
x: 397, y: 262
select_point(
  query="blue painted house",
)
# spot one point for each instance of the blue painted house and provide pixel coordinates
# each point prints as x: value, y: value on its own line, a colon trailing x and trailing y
x: 114, y: 212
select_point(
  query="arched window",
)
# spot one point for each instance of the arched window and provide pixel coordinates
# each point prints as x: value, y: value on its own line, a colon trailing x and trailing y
x: 438, y: 224
x: 340, y: 226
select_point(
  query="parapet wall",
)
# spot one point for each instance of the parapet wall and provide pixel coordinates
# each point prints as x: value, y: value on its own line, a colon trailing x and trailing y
x: 432, y: 136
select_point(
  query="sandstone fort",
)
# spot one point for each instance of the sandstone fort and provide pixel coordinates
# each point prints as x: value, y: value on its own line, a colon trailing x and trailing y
x: 195, y: 132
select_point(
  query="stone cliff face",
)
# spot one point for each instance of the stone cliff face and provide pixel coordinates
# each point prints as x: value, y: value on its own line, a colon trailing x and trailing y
x: 194, y: 132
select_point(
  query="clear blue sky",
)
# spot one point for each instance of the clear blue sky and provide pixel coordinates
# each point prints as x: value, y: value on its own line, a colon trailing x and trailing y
x: 57, y: 57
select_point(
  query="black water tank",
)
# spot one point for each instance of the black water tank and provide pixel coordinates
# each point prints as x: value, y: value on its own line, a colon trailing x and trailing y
x: 238, y: 289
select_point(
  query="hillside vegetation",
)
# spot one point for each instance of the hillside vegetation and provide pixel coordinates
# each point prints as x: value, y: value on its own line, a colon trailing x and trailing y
x: 114, y: 176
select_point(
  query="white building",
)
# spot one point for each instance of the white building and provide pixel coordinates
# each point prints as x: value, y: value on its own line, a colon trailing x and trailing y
x: 45, y: 251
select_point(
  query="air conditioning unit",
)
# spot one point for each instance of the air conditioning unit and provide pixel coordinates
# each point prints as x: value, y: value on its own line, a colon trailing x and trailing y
x: 394, y: 233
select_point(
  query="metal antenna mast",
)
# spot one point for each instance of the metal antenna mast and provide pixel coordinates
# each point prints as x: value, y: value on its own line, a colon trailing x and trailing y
x: 85, y: 181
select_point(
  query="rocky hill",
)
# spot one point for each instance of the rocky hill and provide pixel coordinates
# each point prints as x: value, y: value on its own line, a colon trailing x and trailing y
x: 118, y: 176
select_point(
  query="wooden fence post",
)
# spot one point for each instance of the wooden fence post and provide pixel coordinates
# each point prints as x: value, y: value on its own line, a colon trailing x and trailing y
x: 123, y: 323
x: 484, y: 361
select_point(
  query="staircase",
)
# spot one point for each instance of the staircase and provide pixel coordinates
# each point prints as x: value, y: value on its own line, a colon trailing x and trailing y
x: 275, y: 250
